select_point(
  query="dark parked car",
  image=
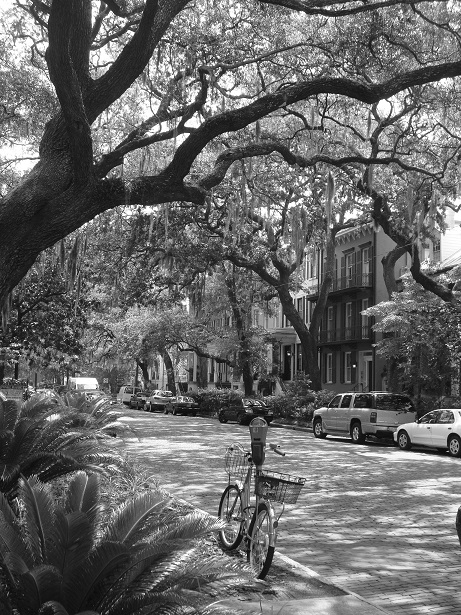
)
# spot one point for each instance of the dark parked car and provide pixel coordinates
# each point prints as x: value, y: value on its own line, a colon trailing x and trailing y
x: 244, y: 410
x: 182, y: 405
x: 139, y: 399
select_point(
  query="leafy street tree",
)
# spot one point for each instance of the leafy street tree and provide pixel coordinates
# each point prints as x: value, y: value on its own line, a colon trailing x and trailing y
x: 45, y: 319
x: 421, y: 336
x: 157, y: 100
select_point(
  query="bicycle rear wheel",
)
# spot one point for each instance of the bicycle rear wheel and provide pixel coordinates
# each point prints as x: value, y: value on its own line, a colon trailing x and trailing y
x: 260, y: 553
x: 231, y: 510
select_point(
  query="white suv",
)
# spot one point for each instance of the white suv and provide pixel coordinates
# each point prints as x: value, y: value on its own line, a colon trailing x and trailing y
x: 159, y: 400
x: 359, y: 415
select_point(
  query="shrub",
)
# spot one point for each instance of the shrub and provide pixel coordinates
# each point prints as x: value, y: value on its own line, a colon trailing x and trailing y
x: 298, y: 403
x: 212, y: 400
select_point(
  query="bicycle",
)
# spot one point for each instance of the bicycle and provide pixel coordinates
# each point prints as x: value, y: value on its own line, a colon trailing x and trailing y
x: 255, y: 524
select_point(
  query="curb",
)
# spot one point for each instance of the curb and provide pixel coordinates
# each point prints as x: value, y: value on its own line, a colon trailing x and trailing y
x: 293, y: 427
x: 304, y: 570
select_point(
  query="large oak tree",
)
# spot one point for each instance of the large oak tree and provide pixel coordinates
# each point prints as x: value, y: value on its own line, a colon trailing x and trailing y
x: 156, y: 100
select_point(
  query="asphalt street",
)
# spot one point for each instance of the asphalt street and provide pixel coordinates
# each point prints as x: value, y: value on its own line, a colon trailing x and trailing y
x: 375, y: 520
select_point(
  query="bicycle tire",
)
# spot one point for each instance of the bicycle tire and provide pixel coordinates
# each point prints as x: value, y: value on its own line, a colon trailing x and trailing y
x: 260, y: 552
x: 231, y: 510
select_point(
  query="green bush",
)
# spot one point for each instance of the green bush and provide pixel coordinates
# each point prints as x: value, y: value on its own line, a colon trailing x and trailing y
x: 297, y: 404
x: 212, y: 400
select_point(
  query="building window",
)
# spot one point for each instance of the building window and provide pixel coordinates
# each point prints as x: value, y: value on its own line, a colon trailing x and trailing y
x: 329, y: 374
x: 350, y: 268
x: 366, y: 260
x: 347, y: 367
x: 348, y: 321
x: 330, y: 323
x: 365, y: 319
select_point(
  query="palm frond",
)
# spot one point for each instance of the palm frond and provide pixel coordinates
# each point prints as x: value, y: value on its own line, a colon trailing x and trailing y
x: 56, y: 608
x: 41, y: 404
x: 189, y: 527
x: 9, y: 413
x: 84, y: 495
x: 39, y: 586
x: 130, y: 518
x: 83, y: 589
x: 37, y: 516
x: 13, y: 551
x: 6, y: 438
x: 74, y: 540
x: 7, y: 511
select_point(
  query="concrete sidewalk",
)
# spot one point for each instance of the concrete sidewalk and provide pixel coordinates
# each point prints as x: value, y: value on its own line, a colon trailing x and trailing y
x: 340, y: 602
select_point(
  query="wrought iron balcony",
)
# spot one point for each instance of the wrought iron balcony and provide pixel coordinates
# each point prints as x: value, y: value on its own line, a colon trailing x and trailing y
x: 349, y: 282
x: 345, y: 334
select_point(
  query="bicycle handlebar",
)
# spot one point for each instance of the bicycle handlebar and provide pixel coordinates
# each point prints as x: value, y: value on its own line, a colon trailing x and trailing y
x: 276, y: 448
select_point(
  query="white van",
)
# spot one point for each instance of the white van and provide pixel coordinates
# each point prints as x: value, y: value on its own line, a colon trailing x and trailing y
x: 126, y: 392
x: 82, y: 384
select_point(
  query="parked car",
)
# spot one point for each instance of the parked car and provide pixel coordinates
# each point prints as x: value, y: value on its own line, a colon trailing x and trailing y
x: 159, y: 401
x: 244, y: 410
x: 359, y: 415
x: 440, y: 429
x: 139, y: 399
x: 126, y: 392
x: 182, y: 405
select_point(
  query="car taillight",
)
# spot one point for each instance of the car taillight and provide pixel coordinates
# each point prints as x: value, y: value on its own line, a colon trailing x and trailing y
x: 373, y: 417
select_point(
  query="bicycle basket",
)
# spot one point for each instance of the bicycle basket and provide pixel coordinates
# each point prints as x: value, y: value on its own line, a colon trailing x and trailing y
x: 236, y: 461
x: 278, y: 487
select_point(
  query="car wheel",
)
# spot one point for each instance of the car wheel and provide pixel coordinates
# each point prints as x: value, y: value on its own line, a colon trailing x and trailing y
x: 222, y: 418
x: 454, y: 446
x: 356, y: 433
x: 403, y: 440
x: 243, y: 421
x: 318, y: 429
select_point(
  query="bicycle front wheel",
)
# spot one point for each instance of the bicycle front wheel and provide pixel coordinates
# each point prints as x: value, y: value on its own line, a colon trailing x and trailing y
x: 231, y: 511
x: 261, y: 552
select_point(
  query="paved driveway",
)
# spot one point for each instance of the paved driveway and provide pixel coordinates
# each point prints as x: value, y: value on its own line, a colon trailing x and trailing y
x: 373, y: 519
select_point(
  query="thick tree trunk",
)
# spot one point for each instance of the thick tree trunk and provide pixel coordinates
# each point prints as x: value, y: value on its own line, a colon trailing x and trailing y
x: 307, y: 340
x: 388, y: 263
x: 240, y: 326
x: 144, y: 371
x: 169, y: 371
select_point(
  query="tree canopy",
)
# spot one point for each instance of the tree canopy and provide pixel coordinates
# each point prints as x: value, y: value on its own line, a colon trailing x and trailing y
x: 153, y: 102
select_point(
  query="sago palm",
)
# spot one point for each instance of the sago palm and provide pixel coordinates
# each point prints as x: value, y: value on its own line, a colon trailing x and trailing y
x: 67, y: 558
x: 46, y: 439
x: 96, y: 414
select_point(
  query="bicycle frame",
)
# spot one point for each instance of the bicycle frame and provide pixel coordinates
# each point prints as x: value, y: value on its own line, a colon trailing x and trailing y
x: 256, y: 524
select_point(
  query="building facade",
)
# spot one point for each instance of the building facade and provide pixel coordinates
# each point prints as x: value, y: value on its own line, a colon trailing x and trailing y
x: 346, y: 341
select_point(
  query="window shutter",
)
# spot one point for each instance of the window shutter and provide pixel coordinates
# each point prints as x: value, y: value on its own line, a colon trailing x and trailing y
x: 334, y: 358
x: 341, y: 367
x: 354, y: 369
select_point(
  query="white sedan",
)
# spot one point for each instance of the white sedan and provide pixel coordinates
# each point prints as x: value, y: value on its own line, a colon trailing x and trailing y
x: 440, y: 429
